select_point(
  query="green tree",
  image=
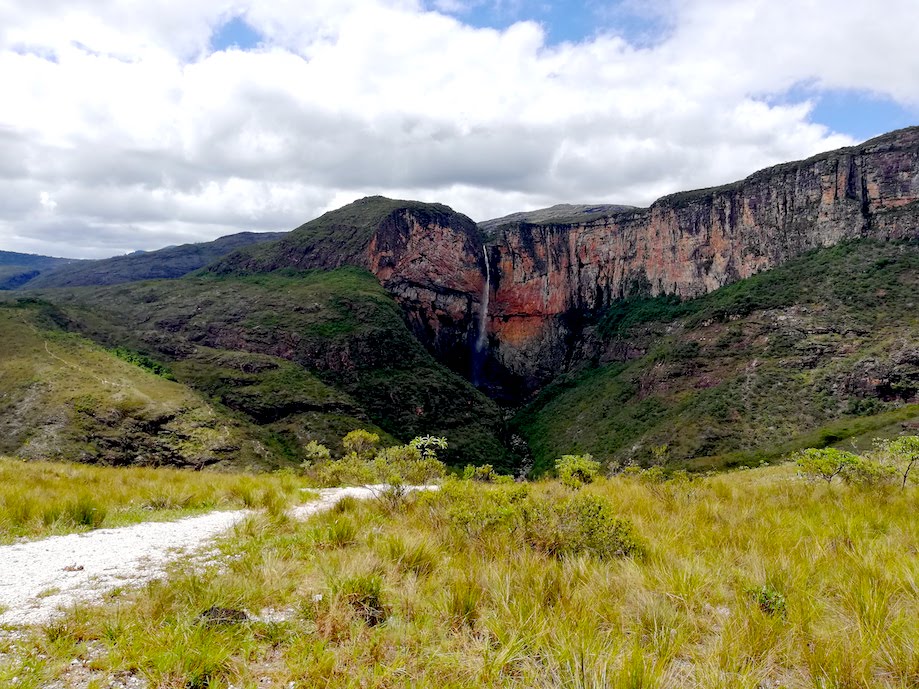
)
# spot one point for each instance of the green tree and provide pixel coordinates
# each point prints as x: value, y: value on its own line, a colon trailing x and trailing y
x: 826, y: 463
x: 428, y: 445
x: 577, y: 470
x: 904, y: 455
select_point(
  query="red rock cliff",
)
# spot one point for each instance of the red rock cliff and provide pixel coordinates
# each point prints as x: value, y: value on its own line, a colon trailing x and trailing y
x: 691, y: 243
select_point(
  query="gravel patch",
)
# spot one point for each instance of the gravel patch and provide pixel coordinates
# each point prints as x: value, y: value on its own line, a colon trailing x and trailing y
x: 40, y: 578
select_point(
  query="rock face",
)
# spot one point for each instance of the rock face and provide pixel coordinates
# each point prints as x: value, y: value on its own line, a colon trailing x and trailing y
x: 427, y: 256
x: 552, y: 271
x: 549, y: 277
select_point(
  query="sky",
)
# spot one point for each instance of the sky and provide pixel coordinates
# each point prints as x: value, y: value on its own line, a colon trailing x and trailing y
x: 132, y: 125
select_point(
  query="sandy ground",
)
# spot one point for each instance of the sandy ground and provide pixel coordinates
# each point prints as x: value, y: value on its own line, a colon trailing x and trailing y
x: 39, y: 578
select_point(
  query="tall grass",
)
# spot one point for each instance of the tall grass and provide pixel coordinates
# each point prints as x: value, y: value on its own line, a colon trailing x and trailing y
x: 43, y: 498
x: 752, y: 579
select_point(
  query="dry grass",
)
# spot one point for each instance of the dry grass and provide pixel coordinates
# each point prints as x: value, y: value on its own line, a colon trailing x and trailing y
x: 44, y: 498
x: 751, y: 579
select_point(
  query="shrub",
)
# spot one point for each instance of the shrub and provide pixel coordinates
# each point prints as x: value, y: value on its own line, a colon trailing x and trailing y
x: 903, y: 454
x: 868, y: 473
x: 407, y: 464
x: 316, y: 452
x: 824, y: 464
x: 769, y: 600
x: 575, y: 471
x: 414, y: 463
x: 428, y: 445
x: 349, y: 470
x: 361, y: 443
x: 479, y: 511
x: 582, y: 524
x: 485, y: 473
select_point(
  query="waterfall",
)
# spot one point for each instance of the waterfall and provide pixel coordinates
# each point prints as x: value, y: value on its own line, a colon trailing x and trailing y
x: 482, y: 340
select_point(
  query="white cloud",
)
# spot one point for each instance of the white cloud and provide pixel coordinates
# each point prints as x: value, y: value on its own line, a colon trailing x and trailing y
x: 116, y: 113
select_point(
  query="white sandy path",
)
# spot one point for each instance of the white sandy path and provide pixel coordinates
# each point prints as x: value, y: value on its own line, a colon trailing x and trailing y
x: 39, y: 578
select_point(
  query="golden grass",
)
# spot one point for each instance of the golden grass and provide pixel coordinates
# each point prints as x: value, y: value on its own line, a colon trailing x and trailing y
x: 751, y: 579
x: 44, y: 498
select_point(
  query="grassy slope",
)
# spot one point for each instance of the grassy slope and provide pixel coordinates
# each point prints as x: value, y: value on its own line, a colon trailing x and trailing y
x: 64, y: 397
x: 749, y: 372
x: 750, y: 579
x: 312, y: 355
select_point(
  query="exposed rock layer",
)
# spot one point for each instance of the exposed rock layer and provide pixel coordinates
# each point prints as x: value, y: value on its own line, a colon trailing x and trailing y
x: 549, y: 278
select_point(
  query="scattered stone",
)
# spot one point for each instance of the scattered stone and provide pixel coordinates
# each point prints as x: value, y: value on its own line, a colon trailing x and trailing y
x: 216, y: 615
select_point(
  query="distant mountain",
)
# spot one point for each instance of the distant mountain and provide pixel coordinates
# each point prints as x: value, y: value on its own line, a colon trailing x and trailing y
x: 560, y: 213
x: 17, y: 269
x: 171, y: 262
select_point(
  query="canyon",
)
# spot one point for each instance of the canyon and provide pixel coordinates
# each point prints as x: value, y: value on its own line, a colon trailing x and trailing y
x: 549, y: 277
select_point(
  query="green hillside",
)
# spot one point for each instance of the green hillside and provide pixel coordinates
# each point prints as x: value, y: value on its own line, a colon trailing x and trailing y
x: 64, y: 397
x: 822, y: 349
x: 17, y: 269
x: 305, y: 355
x: 334, y: 239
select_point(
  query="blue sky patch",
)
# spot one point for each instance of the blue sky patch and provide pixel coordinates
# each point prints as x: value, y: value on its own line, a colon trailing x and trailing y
x: 860, y: 114
x: 235, y: 33
x: 573, y: 21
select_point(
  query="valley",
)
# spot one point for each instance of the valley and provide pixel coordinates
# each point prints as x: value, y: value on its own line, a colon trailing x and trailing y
x: 731, y: 325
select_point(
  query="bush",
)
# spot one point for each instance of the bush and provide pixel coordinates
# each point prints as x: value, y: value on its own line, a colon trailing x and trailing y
x: 824, y: 464
x: 407, y: 464
x: 575, y: 471
x: 428, y: 445
x: 361, y: 443
x: 582, y: 524
x: 415, y: 463
x: 316, y: 452
x: 485, y: 473
x: 769, y: 600
x: 903, y: 454
x: 869, y: 473
x: 477, y: 511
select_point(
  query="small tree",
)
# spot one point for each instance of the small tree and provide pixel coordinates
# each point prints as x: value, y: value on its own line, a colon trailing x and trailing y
x: 361, y: 443
x: 903, y: 453
x: 428, y: 445
x: 316, y: 452
x: 826, y: 463
x: 575, y: 471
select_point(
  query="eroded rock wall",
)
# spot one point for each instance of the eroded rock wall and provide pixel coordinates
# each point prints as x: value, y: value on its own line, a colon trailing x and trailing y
x: 547, y: 277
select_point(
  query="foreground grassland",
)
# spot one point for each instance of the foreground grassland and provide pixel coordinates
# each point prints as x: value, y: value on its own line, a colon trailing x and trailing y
x: 751, y: 579
x: 42, y: 498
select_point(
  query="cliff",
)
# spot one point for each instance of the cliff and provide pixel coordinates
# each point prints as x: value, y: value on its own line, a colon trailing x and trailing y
x: 549, y: 278
x: 551, y: 273
x: 426, y: 255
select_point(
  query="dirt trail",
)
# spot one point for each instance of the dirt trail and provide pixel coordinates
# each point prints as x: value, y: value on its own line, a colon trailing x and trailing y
x: 38, y: 578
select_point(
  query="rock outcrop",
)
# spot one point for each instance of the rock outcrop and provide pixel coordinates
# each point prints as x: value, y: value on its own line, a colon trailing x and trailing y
x: 427, y: 256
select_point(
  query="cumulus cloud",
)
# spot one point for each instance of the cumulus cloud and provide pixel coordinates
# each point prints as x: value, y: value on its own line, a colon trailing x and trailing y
x: 122, y: 129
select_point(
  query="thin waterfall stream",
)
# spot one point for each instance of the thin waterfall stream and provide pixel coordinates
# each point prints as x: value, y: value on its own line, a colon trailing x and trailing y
x: 482, y: 340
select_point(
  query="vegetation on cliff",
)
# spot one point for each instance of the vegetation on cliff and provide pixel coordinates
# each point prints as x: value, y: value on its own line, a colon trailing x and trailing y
x: 300, y: 355
x: 811, y: 353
